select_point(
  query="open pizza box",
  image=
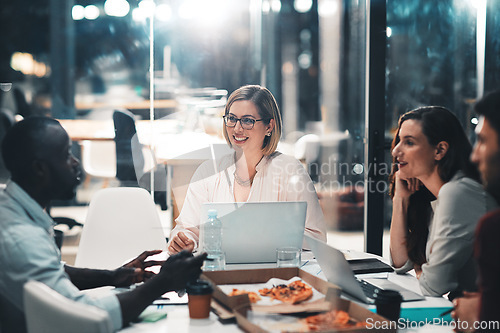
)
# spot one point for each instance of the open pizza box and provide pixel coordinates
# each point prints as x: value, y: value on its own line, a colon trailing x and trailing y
x: 250, y: 316
x: 222, y: 279
x: 253, y: 322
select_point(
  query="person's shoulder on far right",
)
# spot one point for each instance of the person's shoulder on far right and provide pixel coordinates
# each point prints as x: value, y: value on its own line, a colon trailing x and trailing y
x: 484, y: 307
x: 490, y: 222
x: 486, y: 251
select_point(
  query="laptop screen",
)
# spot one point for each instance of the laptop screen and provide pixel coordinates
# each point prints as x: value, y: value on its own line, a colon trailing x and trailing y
x: 252, y: 231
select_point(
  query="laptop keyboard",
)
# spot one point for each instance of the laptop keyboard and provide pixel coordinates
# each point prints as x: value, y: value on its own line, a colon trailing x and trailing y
x: 369, y: 289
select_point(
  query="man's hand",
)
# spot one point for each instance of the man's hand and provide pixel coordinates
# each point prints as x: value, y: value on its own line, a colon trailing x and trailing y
x: 466, y: 309
x: 135, y: 270
x: 181, y: 268
x: 180, y: 242
x: 175, y: 272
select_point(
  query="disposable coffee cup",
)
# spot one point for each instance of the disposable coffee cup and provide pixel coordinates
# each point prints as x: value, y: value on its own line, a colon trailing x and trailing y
x: 388, y: 304
x: 199, y: 297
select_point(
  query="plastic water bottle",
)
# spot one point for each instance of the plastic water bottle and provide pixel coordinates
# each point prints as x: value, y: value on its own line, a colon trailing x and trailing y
x: 211, y: 239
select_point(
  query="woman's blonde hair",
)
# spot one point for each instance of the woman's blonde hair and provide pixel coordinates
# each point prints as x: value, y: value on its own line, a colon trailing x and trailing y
x: 267, y: 108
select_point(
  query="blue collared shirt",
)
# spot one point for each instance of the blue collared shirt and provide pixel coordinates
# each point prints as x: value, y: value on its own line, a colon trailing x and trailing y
x: 28, y: 252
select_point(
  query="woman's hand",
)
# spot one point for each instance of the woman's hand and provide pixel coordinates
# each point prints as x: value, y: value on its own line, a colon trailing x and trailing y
x: 180, y: 242
x: 405, y: 187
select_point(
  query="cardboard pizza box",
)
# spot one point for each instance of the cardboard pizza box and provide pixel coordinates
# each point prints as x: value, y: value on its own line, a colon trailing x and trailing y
x: 374, y: 322
x: 242, y: 308
x: 256, y: 276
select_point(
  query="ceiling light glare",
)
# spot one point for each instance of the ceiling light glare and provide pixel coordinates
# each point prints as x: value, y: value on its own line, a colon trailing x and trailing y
x: 212, y: 13
x: 476, y: 4
x: 188, y: 10
x: 138, y: 15
x: 117, y: 8
x: 305, y: 60
x: 91, y: 12
x: 78, y: 12
x: 276, y: 6
x: 302, y: 6
x: 327, y: 8
x: 266, y: 7
x: 163, y: 12
x: 148, y: 7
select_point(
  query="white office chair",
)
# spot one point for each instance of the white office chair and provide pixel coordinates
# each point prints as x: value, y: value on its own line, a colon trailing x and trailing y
x: 47, y: 311
x: 307, y: 148
x: 99, y: 160
x: 121, y: 223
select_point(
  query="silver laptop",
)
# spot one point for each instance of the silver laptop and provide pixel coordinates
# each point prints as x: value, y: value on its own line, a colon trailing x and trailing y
x: 252, y: 231
x: 337, y: 270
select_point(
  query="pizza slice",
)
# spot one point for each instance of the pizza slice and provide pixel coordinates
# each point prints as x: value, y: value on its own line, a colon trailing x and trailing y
x: 293, y: 293
x: 252, y: 296
x: 332, y: 320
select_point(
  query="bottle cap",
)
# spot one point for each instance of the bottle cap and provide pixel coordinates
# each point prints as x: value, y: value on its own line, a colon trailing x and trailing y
x: 212, y: 213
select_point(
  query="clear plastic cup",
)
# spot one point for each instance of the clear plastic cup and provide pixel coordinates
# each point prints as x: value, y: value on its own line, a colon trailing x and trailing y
x: 288, y: 257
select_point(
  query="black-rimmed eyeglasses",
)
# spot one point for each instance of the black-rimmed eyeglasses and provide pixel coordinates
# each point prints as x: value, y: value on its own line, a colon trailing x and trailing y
x: 245, y: 122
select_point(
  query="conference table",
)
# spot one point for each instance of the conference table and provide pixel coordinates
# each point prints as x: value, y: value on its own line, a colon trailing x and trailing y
x: 176, y: 317
x: 103, y: 130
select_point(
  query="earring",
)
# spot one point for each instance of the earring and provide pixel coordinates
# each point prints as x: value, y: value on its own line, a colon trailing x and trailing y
x: 268, y: 134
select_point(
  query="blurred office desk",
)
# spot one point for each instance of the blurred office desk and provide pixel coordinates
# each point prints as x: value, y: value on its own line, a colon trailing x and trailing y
x: 189, y: 148
x: 171, y: 144
x: 83, y: 129
x: 98, y: 130
x: 140, y: 106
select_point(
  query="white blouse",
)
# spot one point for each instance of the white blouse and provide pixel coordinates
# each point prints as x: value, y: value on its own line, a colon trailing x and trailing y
x: 279, y: 178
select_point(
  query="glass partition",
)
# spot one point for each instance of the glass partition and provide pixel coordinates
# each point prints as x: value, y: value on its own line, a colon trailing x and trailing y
x: 435, y: 56
x: 84, y: 59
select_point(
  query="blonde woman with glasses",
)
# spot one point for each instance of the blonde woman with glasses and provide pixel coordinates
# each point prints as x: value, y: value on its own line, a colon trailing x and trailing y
x: 255, y: 172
